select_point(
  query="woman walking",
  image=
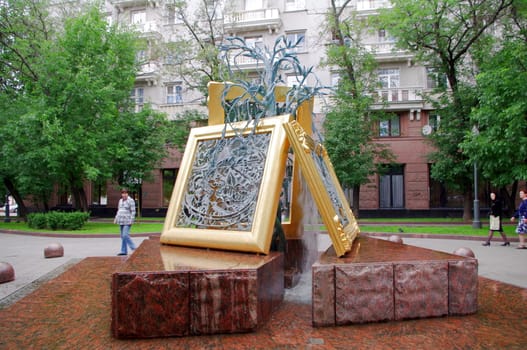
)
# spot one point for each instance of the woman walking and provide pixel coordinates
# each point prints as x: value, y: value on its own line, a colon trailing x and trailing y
x: 521, y: 214
x: 495, y: 215
x: 125, y: 218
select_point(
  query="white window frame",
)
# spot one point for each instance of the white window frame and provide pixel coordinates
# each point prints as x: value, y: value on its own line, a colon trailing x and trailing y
x: 251, y: 5
x: 254, y: 41
x: 138, y: 95
x: 335, y: 78
x: 389, y: 78
x: 138, y: 17
x: 295, y: 5
x: 293, y: 37
x: 174, y: 92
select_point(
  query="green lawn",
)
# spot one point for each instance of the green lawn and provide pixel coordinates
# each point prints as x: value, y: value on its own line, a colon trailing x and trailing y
x: 105, y: 228
x: 421, y: 226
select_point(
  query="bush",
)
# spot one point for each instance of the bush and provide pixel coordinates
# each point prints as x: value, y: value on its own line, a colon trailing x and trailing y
x: 37, y: 220
x: 56, y: 220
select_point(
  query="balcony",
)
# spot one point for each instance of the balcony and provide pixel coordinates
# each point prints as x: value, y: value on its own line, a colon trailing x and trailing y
x: 399, y: 98
x: 149, y: 73
x: 262, y: 19
x: 371, y: 5
x: 174, y: 111
x: 122, y: 4
x: 386, y: 51
x: 244, y: 63
x: 148, y: 30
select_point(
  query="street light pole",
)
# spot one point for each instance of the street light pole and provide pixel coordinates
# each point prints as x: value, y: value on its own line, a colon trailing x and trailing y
x: 476, y: 223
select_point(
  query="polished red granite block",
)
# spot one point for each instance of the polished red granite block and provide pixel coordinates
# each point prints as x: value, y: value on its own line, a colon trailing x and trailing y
x: 73, y: 311
x: 463, y: 287
x: 164, y: 290
x: 380, y: 280
x: 323, y: 295
x: 420, y: 289
x: 364, y: 293
x: 147, y: 305
x: 223, y: 302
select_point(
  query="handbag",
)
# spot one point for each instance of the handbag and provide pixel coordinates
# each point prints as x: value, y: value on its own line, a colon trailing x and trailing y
x: 494, y: 223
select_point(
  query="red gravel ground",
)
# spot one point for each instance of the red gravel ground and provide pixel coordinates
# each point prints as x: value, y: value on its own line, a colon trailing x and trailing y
x: 73, y: 311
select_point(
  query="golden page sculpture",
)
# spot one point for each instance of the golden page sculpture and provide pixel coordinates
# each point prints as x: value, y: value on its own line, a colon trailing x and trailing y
x: 325, y: 188
x: 228, y: 187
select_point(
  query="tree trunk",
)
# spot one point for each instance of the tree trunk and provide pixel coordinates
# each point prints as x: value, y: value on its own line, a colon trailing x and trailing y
x: 79, y: 197
x: 22, y: 210
x: 467, y: 206
x: 355, y: 203
x: 83, y: 199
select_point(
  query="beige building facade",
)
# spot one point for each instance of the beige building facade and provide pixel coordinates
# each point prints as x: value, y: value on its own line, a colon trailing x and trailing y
x: 405, y: 188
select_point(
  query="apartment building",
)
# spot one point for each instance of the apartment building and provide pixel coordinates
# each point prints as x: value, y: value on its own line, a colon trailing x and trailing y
x: 405, y: 188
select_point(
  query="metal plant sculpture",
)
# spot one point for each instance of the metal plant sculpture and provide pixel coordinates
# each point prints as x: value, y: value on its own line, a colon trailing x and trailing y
x: 258, y: 98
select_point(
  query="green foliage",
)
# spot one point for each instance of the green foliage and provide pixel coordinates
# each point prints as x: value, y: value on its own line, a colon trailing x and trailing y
x: 442, y: 34
x: 37, y: 220
x: 66, y: 116
x: 56, y: 220
x: 500, y: 148
x: 350, y: 124
x: 180, y: 127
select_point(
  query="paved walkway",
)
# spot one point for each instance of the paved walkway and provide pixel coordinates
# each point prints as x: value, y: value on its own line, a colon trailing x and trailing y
x: 26, y: 254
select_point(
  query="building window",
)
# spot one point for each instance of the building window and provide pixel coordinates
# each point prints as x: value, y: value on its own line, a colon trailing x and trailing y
x: 433, y: 121
x: 140, y: 56
x: 293, y: 80
x: 138, y: 17
x: 390, y: 127
x: 435, y: 79
x: 389, y: 81
x: 169, y: 179
x: 174, y: 94
x: 98, y: 194
x: 171, y: 15
x: 295, y: 5
x: 389, y: 78
x: 138, y: 95
x: 251, y: 5
x: 391, y: 188
x: 298, y: 38
x: 335, y: 78
x: 109, y: 20
x: 254, y: 42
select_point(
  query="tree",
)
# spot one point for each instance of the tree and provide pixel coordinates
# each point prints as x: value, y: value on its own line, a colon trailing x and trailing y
x: 500, y: 146
x: 195, y: 53
x: 72, y: 120
x: 24, y: 32
x: 441, y: 33
x: 349, y: 126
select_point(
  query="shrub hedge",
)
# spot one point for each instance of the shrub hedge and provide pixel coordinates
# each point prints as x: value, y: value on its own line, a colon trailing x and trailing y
x: 56, y: 220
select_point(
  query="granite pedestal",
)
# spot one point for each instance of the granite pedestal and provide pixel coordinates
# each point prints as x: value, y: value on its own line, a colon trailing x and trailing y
x: 379, y: 280
x: 164, y: 290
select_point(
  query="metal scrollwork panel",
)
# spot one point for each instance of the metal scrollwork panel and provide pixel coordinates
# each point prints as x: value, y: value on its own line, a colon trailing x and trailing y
x: 223, y: 186
x: 325, y: 188
x: 330, y: 187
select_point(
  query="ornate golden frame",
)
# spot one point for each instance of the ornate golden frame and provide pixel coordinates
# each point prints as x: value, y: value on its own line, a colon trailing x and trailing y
x: 336, y: 213
x: 258, y: 238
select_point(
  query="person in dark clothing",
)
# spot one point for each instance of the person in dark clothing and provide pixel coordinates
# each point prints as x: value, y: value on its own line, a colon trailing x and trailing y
x: 495, y: 215
x: 521, y: 214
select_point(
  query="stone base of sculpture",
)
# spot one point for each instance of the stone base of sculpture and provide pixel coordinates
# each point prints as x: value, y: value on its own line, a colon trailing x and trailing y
x: 166, y: 290
x: 381, y: 280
